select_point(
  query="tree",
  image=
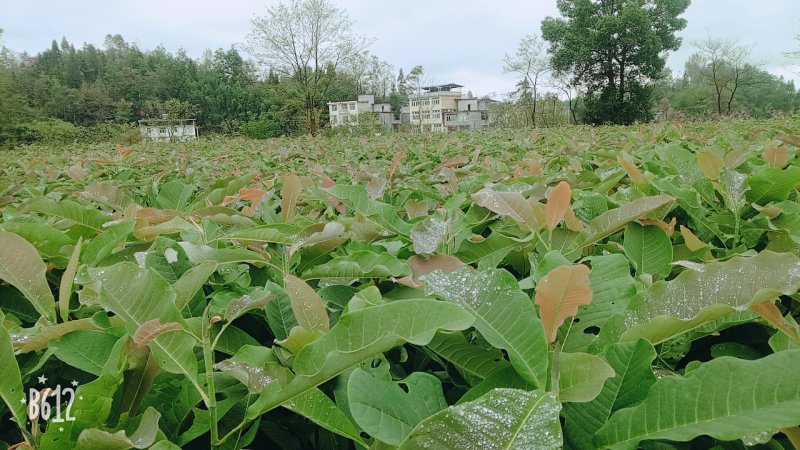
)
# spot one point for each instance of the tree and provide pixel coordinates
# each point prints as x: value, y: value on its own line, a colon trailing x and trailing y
x: 615, y: 49
x: 531, y: 63
x: 726, y: 68
x: 415, y: 81
x: 305, y: 41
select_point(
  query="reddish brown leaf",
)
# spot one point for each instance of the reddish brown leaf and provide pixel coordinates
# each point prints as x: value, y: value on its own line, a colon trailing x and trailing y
x: 776, y: 156
x: 152, y: 329
x: 769, y: 311
x: 693, y: 243
x: 290, y: 191
x: 560, y: 293
x: 421, y: 266
x: 669, y: 228
x: 557, y: 204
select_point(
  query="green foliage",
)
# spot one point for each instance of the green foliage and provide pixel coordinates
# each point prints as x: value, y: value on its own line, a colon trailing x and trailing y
x: 614, y: 49
x: 320, y: 292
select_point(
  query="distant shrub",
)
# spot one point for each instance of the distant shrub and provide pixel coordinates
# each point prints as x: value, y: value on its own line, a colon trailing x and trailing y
x: 49, y: 131
x: 262, y: 129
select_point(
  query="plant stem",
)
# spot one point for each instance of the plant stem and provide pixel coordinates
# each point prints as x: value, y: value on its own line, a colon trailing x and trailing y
x: 208, y: 360
x: 793, y: 434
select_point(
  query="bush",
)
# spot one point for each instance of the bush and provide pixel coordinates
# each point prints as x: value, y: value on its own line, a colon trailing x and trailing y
x: 49, y: 131
x: 262, y: 129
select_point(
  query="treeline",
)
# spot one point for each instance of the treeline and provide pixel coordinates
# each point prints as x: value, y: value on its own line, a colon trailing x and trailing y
x: 96, y: 93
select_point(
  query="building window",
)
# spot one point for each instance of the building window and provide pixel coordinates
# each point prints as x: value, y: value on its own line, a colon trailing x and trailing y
x: 435, y: 101
x: 436, y: 114
x: 162, y: 130
x: 414, y: 102
x: 352, y: 106
x: 334, y: 107
x: 415, y: 115
x: 426, y: 115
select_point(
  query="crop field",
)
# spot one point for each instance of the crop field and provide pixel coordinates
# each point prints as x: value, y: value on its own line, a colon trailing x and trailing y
x: 584, y: 288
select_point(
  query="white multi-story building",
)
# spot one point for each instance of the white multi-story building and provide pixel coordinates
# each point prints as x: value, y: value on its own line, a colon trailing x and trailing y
x: 167, y: 130
x: 444, y: 108
x: 351, y: 112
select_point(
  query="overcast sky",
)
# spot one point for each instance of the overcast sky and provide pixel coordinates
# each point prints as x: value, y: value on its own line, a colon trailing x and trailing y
x: 460, y: 41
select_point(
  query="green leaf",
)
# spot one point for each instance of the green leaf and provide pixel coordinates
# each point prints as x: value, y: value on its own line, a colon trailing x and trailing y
x: 143, y: 437
x: 634, y: 375
x: 361, y: 264
x: 615, y: 219
x: 511, y: 204
x: 175, y: 195
x: 694, y: 297
x: 649, y: 249
x: 198, y: 254
x: 23, y: 268
x: 102, y: 245
x: 357, y: 199
x: 139, y: 295
x: 488, y: 252
x: 726, y: 398
x: 501, y: 419
x: 192, y: 281
x: 478, y: 360
x: 388, y: 412
x: 11, y: 389
x: 86, y: 350
x: 504, y: 316
x: 772, y: 184
x: 581, y: 376
x: 359, y: 335
x: 309, y: 310
x: 70, y: 210
x: 427, y: 234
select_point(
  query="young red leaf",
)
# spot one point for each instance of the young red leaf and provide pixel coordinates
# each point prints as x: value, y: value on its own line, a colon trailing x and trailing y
x: 560, y: 293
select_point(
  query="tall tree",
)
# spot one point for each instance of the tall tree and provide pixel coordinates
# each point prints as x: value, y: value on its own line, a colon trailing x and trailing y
x: 615, y: 49
x: 531, y: 62
x: 305, y: 41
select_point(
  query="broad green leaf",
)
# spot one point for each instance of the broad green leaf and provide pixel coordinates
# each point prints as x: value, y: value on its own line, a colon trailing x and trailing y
x: 694, y: 297
x: 357, y: 199
x: 52, y: 243
x: 478, y: 360
x: 771, y: 184
x: 139, y: 295
x: 102, y: 245
x: 192, y: 281
x: 86, y: 350
x: 70, y: 210
x: 256, y: 366
x: 501, y: 419
x: 11, y: 389
x: 175, y: 195
x: 280, y: 315
x: 504, y: 316
x: 198, y: 254
x: 511, y: 204
x: 559, y: 294
x: 274, y: 233
x: 22, y: 267
x: 67, y: 280
x: 360, y: 264
x: 142, y: 437
x: 649, y: 249
x: 634, y: 375
x: 388, y: 412
x: 613, y: 288
x: 359, y: 335
x: 581, y: 376
x: 615, y: 219
x: 726, y: 398
x: 427, y: 234
x: 309, y: 310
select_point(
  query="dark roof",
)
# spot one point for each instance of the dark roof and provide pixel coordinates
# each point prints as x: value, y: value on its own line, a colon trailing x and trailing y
x: 442, y: 87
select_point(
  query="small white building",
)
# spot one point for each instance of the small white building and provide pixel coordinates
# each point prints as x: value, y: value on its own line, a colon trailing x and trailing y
x: 348, y: 113
x: 167, y: 130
